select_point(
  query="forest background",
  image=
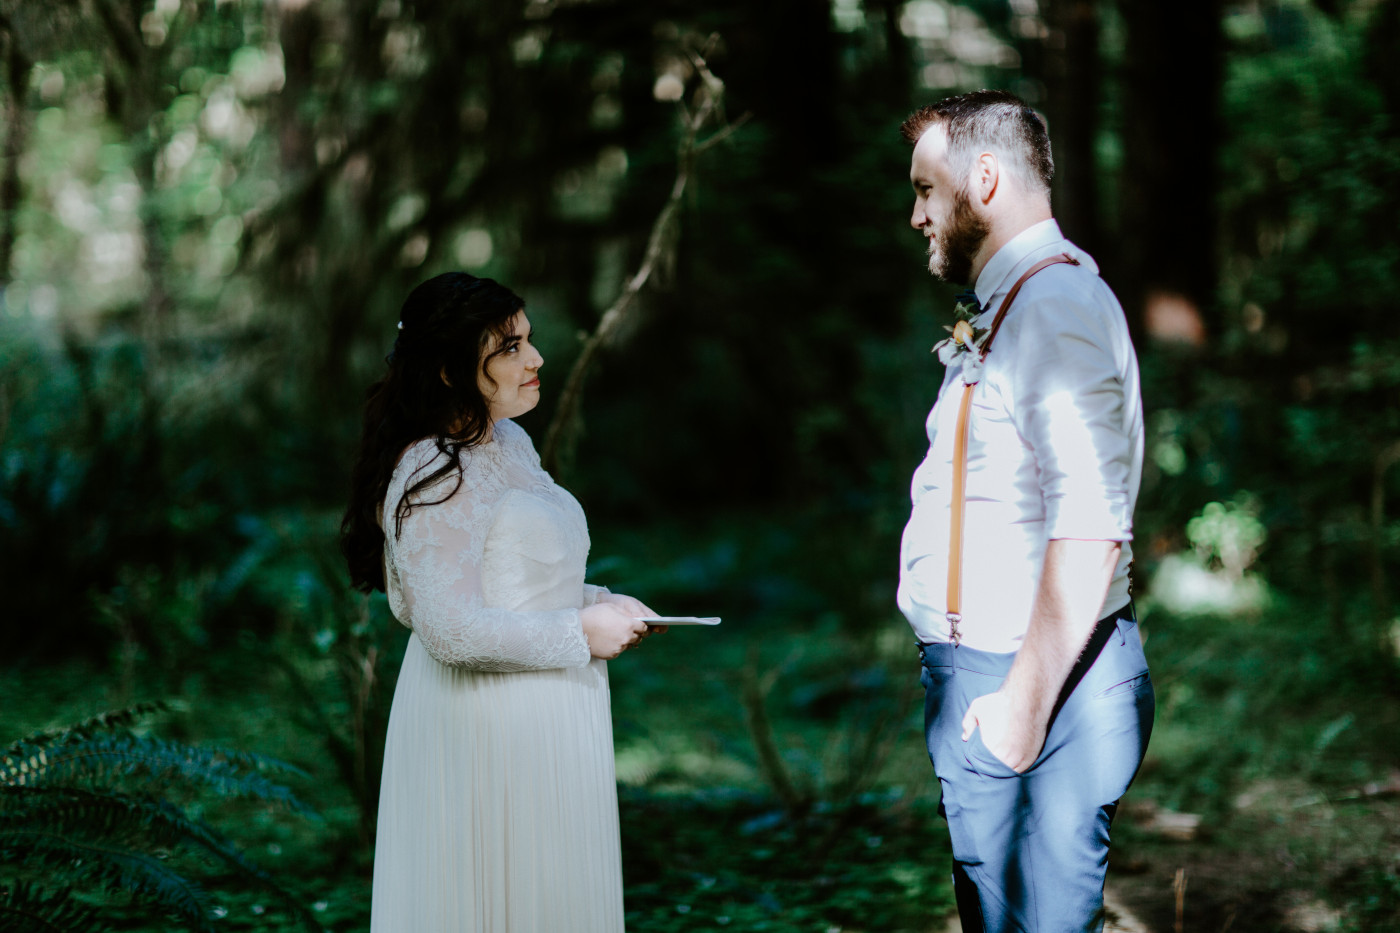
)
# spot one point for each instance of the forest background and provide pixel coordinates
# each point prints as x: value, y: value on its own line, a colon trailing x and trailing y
x: 211, y: 211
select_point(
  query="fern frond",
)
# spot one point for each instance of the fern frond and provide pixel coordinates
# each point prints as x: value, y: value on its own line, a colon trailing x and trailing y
x: 103, y: 759
x: 27, y: 908
x: 115, y: 867
x: 120, y: 819
x: 85, y: 803
x: 115, y: 820
x: 102, y: 722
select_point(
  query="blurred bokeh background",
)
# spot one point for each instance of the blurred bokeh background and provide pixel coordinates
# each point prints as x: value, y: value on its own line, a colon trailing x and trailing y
x: 210, y: 211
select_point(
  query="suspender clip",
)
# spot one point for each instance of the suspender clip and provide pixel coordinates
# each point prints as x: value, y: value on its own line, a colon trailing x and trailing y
x: 953, y: 634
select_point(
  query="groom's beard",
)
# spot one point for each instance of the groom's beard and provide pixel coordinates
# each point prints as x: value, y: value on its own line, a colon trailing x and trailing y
x: 952, y: 248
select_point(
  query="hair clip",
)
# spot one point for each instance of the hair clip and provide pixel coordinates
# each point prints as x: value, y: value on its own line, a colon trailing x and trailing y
x: 400, y: 325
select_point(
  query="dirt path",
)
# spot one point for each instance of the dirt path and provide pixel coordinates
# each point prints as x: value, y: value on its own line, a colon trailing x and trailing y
x: 1120, y: 918
x: 1286, y: 859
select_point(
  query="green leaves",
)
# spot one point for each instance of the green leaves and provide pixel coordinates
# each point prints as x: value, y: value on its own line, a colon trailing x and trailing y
x: 707, y: 862
x: 27, y: 908
x: 86, y: 806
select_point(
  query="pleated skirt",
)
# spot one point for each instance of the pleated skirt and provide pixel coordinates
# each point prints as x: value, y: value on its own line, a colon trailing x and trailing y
x: 498, y: 804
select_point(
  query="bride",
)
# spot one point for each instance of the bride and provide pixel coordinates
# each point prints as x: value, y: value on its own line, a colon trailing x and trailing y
x: 498, y: 805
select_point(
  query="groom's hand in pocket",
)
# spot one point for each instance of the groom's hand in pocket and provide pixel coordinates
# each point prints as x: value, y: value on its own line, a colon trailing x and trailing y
x: 1009, y: 735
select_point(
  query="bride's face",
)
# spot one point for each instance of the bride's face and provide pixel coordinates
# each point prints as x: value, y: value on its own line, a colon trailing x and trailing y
x: 510, y: 380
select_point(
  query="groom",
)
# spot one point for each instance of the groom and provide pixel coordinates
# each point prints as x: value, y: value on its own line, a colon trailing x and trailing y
x: 1014, y: 563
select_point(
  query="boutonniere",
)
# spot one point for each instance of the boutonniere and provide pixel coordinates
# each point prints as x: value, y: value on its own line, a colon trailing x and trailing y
x: 963, y: 336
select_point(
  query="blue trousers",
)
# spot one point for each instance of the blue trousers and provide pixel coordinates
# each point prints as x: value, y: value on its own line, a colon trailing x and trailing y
x: 1030, y: 850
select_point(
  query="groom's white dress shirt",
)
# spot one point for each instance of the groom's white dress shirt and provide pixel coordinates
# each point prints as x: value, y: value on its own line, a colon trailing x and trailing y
x: 1054, y: 447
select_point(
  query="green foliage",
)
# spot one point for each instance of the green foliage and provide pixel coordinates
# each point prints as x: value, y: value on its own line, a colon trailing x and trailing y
x: 341, y: 664
x: 1229, y: 534
x: 217, y: 208
x: 27, y: 907
x: 86, y: 809
x: 1308, y: 200
x: 714, y: 862
x: 1270, y: 696
x: 1374, y: 901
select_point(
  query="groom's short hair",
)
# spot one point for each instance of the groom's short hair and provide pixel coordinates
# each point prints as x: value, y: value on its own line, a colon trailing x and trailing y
x: 989, y: 121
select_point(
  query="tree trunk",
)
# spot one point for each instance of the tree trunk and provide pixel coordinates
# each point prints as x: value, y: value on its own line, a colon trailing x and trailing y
x: 134, y: 91
x: 1073, y: 80
x: 1173, y: 72
x: 798, y: 103
x: 17, y: 124
x: 297, y: 30
x: 898, y: 70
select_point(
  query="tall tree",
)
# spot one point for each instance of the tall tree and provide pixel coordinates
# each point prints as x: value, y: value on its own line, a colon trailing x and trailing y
x: 17, y: 66
x: 1074, y: 96
x: 1172, y: 76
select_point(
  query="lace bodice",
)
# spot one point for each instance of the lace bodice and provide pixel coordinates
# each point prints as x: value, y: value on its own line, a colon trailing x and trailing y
x: 491, y: 578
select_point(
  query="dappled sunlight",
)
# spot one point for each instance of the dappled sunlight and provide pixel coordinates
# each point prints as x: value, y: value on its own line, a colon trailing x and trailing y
x: 1083, y: 452
x: 1214, y: 576
x: 955, y: 43
x: 209, y: 216
x: 1181, y: 584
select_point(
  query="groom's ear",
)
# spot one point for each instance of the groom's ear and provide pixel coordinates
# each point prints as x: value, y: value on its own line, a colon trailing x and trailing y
x: 986, y: 176
x: 442, y: 374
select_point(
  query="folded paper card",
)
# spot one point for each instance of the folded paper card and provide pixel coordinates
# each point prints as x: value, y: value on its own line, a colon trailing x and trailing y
x: 680, y: 620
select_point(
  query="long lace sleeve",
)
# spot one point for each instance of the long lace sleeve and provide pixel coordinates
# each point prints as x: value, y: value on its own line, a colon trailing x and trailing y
x: 593, y: 594
x: 436, y: 585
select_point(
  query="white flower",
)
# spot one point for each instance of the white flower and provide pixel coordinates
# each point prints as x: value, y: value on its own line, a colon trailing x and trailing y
x: 972, y: 368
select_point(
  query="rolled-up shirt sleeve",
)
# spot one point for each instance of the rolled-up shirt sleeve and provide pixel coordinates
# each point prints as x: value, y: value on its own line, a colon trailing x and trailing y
x: 1071, y: 411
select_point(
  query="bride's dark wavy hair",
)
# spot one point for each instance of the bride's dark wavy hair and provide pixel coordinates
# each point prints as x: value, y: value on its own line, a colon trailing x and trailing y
x: 446, y: 325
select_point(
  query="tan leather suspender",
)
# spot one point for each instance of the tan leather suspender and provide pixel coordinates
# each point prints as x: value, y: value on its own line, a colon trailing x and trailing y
x: 959, y: 503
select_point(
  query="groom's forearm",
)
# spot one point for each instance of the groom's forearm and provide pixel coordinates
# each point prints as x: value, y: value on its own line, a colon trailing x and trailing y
x: 1074, y: 578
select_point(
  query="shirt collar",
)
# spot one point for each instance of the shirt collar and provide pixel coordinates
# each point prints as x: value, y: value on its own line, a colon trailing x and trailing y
x: 1018, y: 254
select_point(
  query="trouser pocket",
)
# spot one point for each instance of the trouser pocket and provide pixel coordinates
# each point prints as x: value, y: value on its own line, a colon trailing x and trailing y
x: 983, y: 760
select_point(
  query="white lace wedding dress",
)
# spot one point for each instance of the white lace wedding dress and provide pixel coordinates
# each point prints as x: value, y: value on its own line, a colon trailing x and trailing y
x: 498, y: 806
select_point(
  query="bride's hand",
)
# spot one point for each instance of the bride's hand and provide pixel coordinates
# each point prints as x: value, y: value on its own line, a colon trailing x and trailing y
x: 610, y: 629
x: 633, y: 607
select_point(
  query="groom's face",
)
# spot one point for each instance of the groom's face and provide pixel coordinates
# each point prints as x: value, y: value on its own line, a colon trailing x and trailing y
x: 943, y: 211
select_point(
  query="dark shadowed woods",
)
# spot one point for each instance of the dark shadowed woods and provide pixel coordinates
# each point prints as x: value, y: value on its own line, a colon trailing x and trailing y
x: 210, y: 211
